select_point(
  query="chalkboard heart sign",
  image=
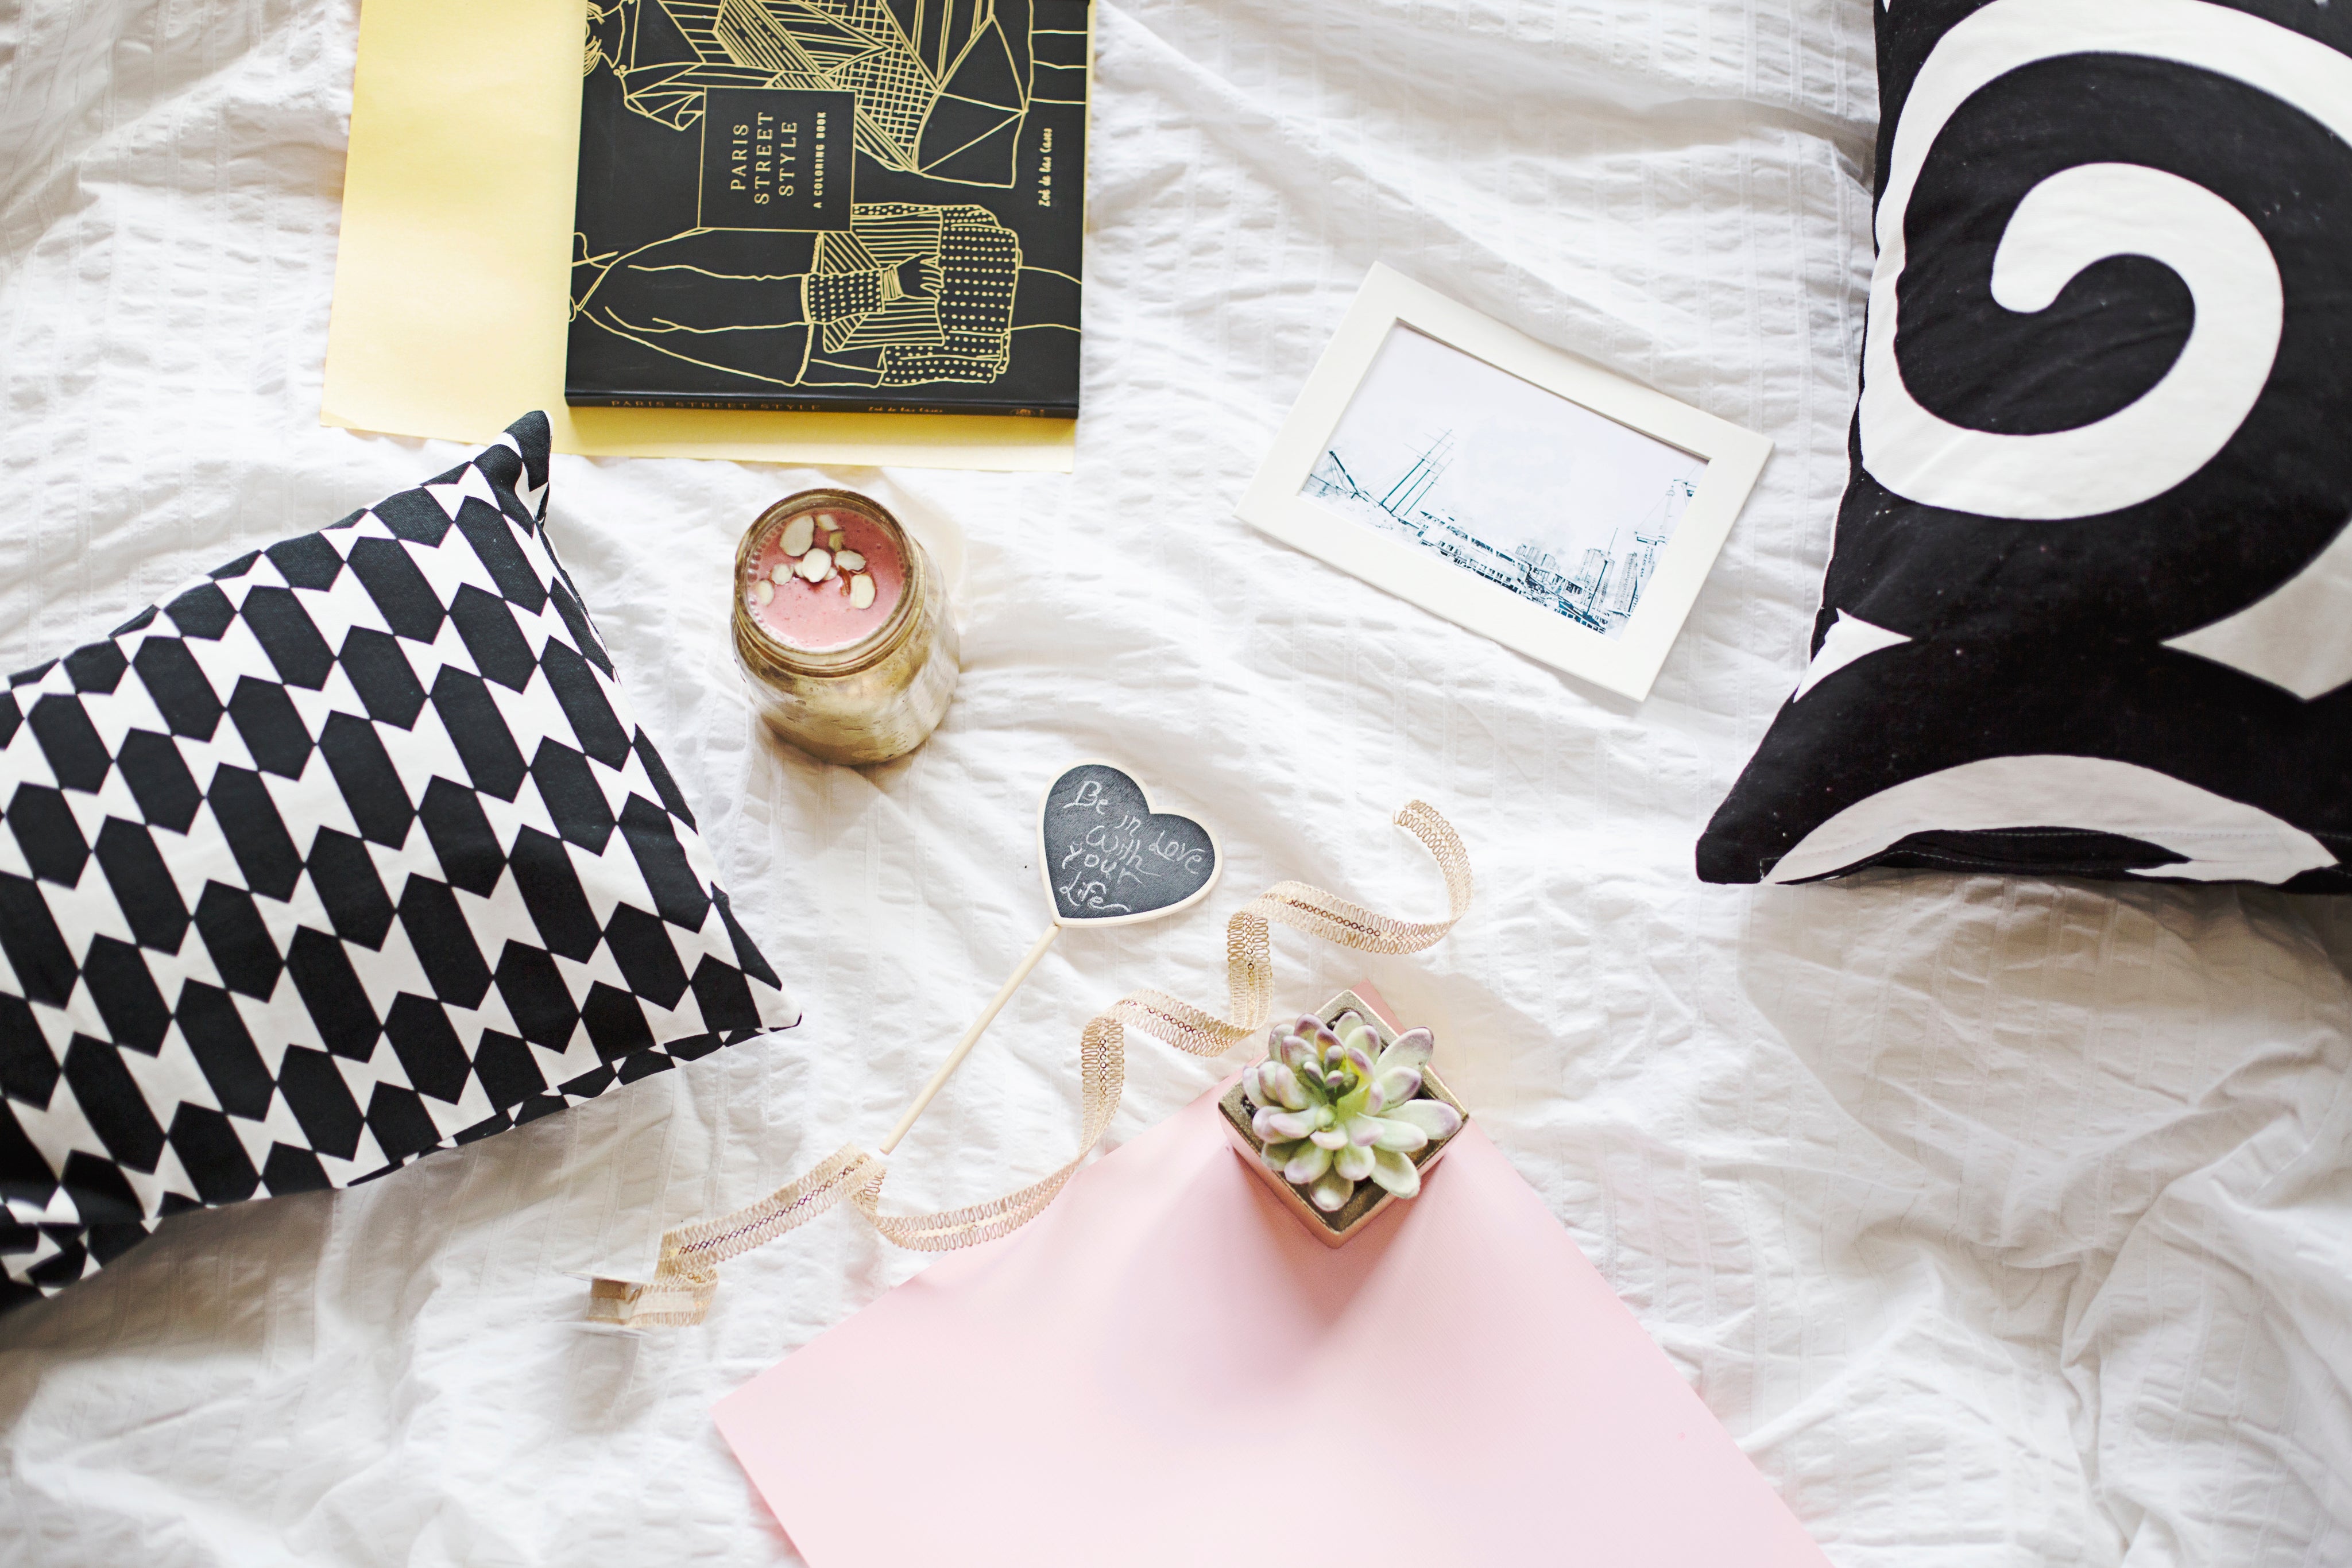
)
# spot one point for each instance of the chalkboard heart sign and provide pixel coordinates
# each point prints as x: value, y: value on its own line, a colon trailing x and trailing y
x: 1109, y: 859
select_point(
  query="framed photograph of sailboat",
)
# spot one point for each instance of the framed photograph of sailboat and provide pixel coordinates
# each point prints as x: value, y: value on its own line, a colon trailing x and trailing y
x: 1566, y: 512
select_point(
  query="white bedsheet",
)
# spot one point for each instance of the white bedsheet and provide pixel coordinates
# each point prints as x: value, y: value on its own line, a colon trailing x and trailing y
x: 2002, y: 1223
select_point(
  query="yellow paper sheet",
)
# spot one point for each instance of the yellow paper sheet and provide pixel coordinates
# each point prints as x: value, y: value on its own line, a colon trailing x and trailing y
x: 454, y: 272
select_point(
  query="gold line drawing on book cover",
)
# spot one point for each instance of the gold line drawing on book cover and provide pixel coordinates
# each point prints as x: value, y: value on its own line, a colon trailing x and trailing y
x: 882, y: 294
x: 908, y: 294
x: 941, y: 85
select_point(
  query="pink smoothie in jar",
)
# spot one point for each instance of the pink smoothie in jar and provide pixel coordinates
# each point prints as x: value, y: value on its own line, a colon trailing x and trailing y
x: 826, y: 613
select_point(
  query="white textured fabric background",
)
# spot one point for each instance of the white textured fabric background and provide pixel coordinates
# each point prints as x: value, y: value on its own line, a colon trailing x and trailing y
x: 2002, y: 1223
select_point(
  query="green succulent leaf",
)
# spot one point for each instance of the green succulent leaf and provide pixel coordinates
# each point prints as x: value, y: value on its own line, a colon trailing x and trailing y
x: 1397, y: 1135
x: 1334, y: 1107
x: 1434, y: 1117
x: 1396, y: 1172
x: 1395, y: 1085
x: 1308, y: 1163
x: 1271, y: 1124
x: 1410, y: 1049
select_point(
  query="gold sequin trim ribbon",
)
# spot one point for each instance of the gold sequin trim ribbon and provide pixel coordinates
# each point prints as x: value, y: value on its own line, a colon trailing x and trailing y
x: 687, y: 1274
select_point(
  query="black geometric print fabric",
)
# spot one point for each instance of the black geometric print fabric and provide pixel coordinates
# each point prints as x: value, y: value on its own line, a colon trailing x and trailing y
x: 2090, y: 606
x: 349, y: 852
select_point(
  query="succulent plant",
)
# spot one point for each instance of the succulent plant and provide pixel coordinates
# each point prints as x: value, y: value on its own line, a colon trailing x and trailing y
x: 1334, y: 1109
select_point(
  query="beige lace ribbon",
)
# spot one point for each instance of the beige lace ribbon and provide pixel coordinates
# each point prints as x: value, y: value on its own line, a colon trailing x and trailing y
x: 687, y: 1274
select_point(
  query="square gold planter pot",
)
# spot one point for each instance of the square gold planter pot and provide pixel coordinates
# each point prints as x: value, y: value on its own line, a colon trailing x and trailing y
x: 1333, y: 1229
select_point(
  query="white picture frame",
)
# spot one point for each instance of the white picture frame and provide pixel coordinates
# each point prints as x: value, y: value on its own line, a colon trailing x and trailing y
x: 1627, y: 662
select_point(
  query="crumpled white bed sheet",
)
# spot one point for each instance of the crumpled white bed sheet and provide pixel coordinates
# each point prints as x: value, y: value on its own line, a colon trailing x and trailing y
x: 2002, y: 1223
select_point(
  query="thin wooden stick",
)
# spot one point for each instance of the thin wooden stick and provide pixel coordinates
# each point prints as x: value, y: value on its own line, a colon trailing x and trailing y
x: 972, y: 1037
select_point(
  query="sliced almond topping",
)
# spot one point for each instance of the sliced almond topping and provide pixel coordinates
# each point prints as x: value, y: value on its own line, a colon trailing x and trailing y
x: 836, y: 541
x: 849, y: 560
x: 861, y: 592
x: 762, y: 591
x: 815, y: 564
x: 798, y: 533
x: 780, y: 572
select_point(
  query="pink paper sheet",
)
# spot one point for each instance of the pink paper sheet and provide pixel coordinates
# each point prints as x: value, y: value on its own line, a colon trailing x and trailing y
x: 1165, y: 1369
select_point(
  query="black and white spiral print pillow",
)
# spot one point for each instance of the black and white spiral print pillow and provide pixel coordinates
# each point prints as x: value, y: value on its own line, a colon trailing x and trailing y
x: 2090, y: 609
x: 349, y: 852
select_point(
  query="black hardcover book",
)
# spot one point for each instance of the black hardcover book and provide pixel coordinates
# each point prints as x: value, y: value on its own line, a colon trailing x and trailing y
x: 841, y: 205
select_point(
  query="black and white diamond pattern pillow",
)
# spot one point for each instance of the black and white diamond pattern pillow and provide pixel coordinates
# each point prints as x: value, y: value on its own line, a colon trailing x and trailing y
x: 2090, y: 609
x: 351, y: 853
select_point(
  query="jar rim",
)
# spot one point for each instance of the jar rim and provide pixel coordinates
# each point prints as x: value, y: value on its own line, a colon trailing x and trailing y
x: 851, y: 657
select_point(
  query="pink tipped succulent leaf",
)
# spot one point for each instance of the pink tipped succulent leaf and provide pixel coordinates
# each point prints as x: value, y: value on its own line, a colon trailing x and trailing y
x: 1397, y: 1084
x: 1294, y: 1123
x: 1434, y: 1117
x: 1397, y: 1135
x: 1411, y: 1049
x: 1394, y: 1172
x: 1334, y: 1107
x: 1307, y: 1164
x: 1281, y: 1086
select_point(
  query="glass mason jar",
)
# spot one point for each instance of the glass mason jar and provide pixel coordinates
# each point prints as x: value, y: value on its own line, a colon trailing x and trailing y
x: 843, y: 625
